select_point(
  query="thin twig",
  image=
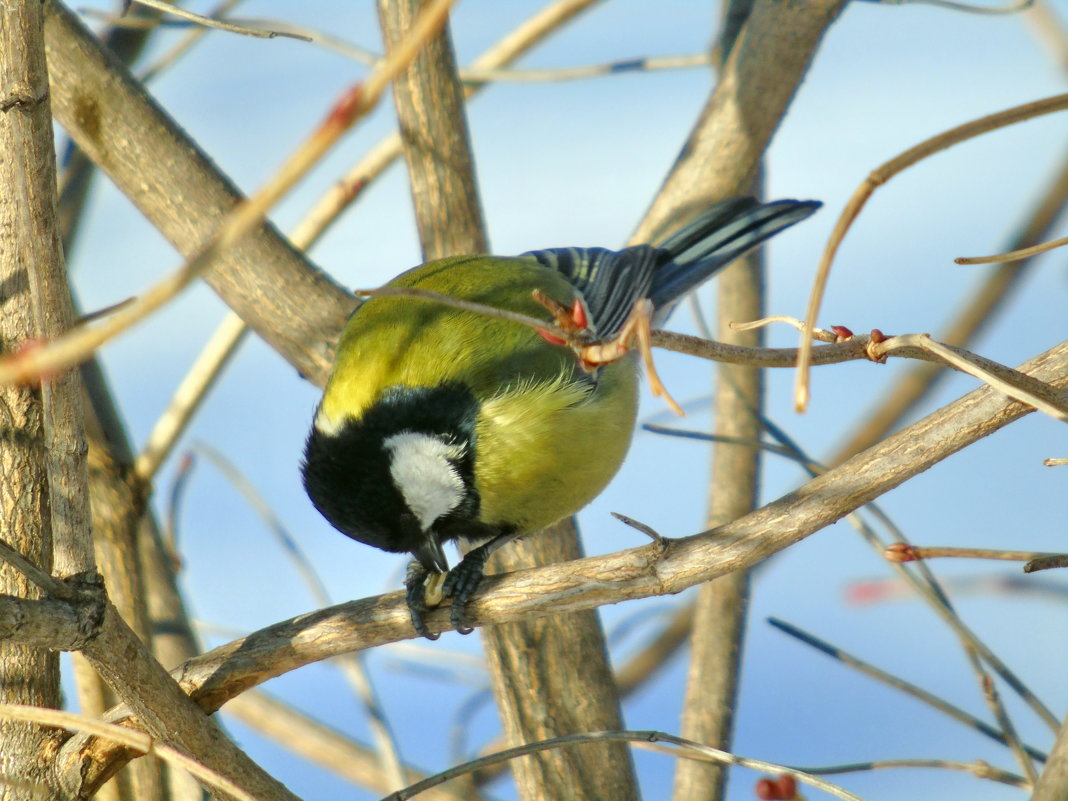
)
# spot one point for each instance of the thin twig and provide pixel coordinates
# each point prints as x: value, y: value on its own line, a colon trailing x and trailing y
x: 903, y: 552
x: 979, y: 769
x: 130, y: 738
x: 686, y: 749
x: 999, y: 377
x: 880, y: 176
x: 974, y: 313
x: 211, y: 22
x: 1014, y: 255
x: 904, y: 686
x: 970, y: 8
x: 170, y: 56
x: 1046, y: 562
x: 1001, y: 714
x: 476, y: 76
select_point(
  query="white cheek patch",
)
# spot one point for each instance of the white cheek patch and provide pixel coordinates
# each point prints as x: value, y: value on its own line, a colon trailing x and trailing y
x: 421, y: 470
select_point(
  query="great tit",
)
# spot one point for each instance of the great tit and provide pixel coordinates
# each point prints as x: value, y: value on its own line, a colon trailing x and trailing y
x: 439, y: 423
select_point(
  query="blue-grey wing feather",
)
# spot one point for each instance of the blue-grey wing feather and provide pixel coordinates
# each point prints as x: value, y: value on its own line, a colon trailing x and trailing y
x: 612, y: 281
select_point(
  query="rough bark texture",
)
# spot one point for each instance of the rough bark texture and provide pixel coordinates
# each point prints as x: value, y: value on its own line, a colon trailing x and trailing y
x: 1053, y: 781
x: 719, y: 620
x: 437, y: 148
x: 718, y: 633
x: 27, y: 207
x: 551, y: 678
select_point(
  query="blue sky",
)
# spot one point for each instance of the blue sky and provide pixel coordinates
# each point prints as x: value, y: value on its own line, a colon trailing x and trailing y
x: 577, y: 164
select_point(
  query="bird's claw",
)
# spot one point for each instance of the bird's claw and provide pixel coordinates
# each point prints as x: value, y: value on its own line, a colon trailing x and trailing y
x: 415, y: 585
x: 459, y: 584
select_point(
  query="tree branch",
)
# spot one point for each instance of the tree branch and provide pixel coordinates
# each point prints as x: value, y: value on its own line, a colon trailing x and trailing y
x: 761, y: 76
x: 29, y: 253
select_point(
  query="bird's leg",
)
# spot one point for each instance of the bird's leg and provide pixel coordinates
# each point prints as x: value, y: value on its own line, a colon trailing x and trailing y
x: 462, y: 580
x: 637, y: 327
x: 415, y: 584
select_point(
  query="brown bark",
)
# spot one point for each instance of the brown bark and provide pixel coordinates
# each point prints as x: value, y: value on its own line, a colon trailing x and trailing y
x: 28, y: 675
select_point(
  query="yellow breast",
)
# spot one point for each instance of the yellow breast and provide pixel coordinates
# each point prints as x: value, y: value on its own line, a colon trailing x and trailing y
x: 545, y: 450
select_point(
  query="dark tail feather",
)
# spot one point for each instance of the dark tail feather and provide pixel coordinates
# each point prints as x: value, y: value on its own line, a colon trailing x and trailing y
x: 716, y: 238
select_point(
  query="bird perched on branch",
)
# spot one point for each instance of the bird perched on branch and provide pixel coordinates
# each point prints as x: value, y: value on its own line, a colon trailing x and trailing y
x: 440, y: 423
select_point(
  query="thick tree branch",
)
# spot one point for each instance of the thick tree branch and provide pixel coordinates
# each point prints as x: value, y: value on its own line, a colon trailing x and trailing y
x: 47, y: 623
x: 29, y: 256
x: 1053, y: 782
x: 761, y: 76
x: 163, y: 710
x: 433, y: 129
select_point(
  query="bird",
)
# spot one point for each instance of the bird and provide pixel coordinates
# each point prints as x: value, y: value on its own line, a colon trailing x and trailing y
x: 440, y: 423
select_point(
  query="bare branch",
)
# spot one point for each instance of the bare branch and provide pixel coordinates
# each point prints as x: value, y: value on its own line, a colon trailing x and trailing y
x: 756, y: 86
x: 686, y: 749
x: 974, y: 313
x: 46, y: 623
x: 904, y: 552
x: 211, y: 22
x: 1014, y: 255
x: 129, y: 738
x: 29, y: 255
x: 880, y: 176
x: 318, y: 743
x: 68, y: 350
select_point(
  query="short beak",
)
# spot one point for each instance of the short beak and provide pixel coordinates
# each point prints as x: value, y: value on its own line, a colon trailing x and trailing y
x: 431, y: 555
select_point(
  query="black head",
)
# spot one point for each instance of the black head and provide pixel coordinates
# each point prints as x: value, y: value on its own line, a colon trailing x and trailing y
x: 400, y: 478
